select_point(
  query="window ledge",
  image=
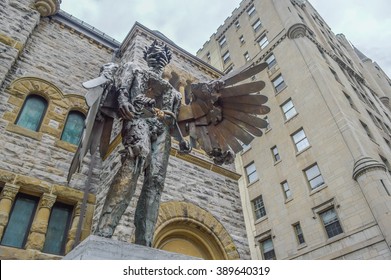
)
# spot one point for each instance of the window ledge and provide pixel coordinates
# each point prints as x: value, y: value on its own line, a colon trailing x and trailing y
x: 288, y: 200
x: 291, y: 118
x: 267, y: 130
x: 318, y: 189
x: 252, y: 183
x: 281, y: 90
x: 302, y: 151
x: 24, y: 131
x: 65, y: 145
x: 277, y: 162
x: 260, y: 220
x: 301, y: 246
x: 245, y: 151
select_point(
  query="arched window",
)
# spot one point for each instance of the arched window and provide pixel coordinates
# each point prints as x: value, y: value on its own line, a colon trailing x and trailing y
x: 32, y: 112
x: 73, y: 127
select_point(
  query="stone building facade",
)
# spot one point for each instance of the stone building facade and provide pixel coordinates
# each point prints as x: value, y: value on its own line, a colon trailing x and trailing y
x: 45, y: 55
x: 317, y: 184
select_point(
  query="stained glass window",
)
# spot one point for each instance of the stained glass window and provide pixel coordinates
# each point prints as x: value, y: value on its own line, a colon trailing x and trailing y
x: 58, y: 226
x: 32, y: 113
x: 73, y: 127
x: 19, y: 223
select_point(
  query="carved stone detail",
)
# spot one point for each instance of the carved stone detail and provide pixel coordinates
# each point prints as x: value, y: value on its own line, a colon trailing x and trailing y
x: 9, y: 192
x: 47, y: 7
x: 47, y: 201
x: 365, y: 164
x: 296, y: 31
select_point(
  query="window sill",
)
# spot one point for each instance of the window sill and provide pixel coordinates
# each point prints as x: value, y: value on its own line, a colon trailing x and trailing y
x: 318, y: 189
x: 288, y: 200
x: 65, y: 145
x: 291, y: 118
x: 281, y: 90
x: 260, y: 220
x: 302, y: 151
x: 302, y: 246
x: 24, y: 131
x: 267, y: 130
x: 277, y: 162
x: 252, y: 183
x: 245, y: 151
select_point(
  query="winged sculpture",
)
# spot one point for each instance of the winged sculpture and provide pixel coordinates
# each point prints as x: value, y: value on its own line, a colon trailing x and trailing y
x: 221, y: 116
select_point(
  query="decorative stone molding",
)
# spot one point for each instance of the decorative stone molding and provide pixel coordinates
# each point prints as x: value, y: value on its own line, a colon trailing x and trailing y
x: 47, y: 201
x: 297, y: 30
x: 47, y: 7
x: 182, y: 217
x: 364, y: 164
x: 385, y: 100
x: 9, y: 192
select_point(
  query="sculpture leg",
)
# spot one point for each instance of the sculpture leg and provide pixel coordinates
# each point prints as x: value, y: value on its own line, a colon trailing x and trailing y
x: 124, y: 183
x: 148, y: 204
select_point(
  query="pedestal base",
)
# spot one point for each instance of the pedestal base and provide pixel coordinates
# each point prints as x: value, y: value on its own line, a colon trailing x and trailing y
x: 100, y: 248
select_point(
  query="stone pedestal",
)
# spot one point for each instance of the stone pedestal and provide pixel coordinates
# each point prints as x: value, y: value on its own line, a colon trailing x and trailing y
x: 100, y: 248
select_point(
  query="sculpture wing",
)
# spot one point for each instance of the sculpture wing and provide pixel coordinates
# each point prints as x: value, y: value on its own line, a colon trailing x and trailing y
x: 96, y: 132
x: 224, y: 118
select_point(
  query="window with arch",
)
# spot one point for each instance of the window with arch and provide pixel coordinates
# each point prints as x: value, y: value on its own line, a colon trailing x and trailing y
x: 73, y: 128
x: 32, y: 113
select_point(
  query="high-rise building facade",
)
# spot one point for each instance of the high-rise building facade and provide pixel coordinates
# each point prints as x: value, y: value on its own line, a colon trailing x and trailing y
x: 317, y: 184
x: 45, y: 56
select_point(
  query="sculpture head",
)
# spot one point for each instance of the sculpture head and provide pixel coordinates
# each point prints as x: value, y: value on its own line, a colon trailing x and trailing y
x: 108, y: 70
x: 157, y: 56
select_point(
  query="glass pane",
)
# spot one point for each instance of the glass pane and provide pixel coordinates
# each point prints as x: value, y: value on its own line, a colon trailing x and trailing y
x: 250, y: 168
x: 73, y: 128
x: 252, y: 177
x: 267, y: 245
x: 329, y: 216
x: 312, y: 172
x: 298, y: 136
x: 302, y: 145
x: 32, y: 113
x: 19, y: 222
x: 57, y: 229
x: 316, y: 182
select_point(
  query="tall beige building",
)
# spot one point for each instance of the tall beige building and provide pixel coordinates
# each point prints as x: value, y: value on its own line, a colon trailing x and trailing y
x: 316, y: 185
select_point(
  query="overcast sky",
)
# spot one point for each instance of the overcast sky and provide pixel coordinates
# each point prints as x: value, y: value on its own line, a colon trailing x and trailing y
x: 190, y: 23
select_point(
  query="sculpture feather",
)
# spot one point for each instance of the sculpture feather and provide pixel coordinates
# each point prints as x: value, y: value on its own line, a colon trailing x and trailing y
x: 224, y: 114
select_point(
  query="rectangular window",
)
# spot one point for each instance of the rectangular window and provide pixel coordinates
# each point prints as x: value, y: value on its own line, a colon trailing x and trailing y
x: 226, y: 57
x: 57, y: 232
x: 222, y: 41
x: 288, y: 109
x: 367, y: 131
x: 251, y: 173
x: 279, y: 83
x: 276, y: 155
x: 259, y: 208
x: 237, y: 24
x: 271, y: 61
x: 268, y: 249
x: 257, y: 25
x: 251, y: 10
x: 314, y: 177
x: 386, y: 163
x: 263, y: 42
x: 241, y: 39
x: 331, y: 222
x: 299, y: 233
x: 335, y: 75
x: 208, y: 55
x: 286, y: 190
x: 246, y: 56
x: 300, y: 140
x: 20, y: 220
x: 349, y: 99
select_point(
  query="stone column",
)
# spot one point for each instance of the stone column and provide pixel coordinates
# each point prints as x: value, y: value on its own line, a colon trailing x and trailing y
x: 36, y: 238
x: 7, y: 198
x: 73, y: 229
x: 375, y: 183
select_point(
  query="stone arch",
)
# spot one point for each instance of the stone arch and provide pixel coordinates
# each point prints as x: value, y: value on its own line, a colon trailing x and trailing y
x: 185, y: 228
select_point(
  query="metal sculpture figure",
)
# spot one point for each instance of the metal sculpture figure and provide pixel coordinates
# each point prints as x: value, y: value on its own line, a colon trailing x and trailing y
x: 219, y: 117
